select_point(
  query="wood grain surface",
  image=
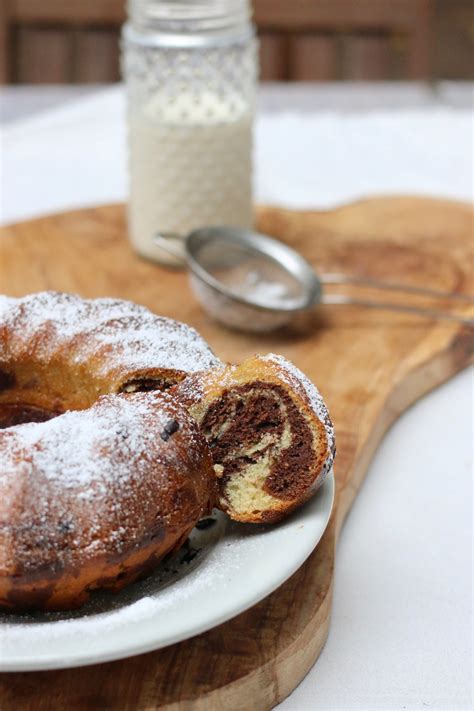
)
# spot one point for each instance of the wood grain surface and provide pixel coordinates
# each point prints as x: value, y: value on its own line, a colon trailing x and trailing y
x: 370, y: 366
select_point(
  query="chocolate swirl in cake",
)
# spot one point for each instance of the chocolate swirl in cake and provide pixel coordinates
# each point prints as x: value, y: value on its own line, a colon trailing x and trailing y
x: 269, y: 433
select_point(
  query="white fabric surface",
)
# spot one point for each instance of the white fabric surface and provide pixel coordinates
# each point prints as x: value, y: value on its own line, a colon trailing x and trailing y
x: 401, y: 633
x: 302, y: 160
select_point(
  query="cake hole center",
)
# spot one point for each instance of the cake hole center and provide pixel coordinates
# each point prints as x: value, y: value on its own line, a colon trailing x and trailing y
x: 144, y: 385
x: 21, y: 414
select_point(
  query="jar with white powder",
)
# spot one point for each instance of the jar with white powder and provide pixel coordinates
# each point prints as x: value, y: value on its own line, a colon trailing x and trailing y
x: 191, y: 69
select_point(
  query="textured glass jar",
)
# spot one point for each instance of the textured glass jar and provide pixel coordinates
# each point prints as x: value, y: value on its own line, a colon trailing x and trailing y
x: 191, y: 69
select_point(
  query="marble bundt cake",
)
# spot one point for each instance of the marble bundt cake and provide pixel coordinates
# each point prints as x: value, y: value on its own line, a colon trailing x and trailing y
x: 101, y: 474
x: 93, y: 499
x: 269, y: 432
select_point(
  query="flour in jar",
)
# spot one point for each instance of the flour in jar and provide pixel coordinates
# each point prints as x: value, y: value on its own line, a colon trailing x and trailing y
x: 190, y: 166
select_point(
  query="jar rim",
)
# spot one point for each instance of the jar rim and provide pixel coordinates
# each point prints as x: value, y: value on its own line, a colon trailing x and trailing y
x: 189, y: 16
x: 132, y: 35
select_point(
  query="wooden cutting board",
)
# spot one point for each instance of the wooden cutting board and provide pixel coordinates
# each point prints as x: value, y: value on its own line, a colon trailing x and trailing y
x: 370, y: 366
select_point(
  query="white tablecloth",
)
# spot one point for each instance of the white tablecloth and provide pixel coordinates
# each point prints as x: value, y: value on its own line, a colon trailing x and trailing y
x: 400, y: 634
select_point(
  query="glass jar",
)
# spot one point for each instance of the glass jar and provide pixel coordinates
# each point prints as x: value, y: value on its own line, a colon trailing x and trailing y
x: 191, y: 70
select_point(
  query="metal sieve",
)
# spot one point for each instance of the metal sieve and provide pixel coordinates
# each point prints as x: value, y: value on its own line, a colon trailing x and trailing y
x: 251, y: 282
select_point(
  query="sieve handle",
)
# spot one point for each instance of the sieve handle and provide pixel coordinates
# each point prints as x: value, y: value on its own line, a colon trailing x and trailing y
x: 393, y: 286
x: 341, y: 300
x: 173, y: 244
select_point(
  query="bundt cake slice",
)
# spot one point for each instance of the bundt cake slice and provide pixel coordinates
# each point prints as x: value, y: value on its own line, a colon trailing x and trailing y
x: 269, y: 432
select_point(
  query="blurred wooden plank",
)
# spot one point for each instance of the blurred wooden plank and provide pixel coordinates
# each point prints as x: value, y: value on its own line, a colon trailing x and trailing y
x: 273, y: 57
x: 4, y: 45
x: 289, y: 46
x: 313, y: 58
x: 453, y: 51
x: 334, y: 14
x: 44, y: 56
x: 367, y: 57
x: 96, y: 57
x: 93, y: 12
x: 419, y: 58
x: 268, y: 13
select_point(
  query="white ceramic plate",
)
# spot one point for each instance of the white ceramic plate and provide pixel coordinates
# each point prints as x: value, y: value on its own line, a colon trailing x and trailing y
x: 226, y: 569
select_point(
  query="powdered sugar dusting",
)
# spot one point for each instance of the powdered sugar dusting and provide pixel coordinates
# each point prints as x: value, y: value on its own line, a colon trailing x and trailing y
x: 65, y: 449
x: 121, y: 336
x: 6, y: 302
x: 88, y: 481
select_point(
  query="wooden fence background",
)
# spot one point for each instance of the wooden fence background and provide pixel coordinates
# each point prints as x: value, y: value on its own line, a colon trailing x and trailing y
x: 76, y: 41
